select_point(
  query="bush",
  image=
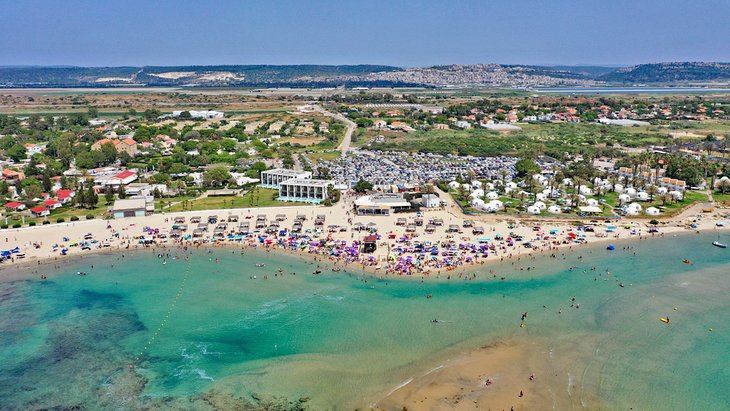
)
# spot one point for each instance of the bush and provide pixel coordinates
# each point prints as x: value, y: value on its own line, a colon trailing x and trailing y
x: 31, y: 224
x: 74, y: 218
x: 4, y: 226
x: 653, y: 222
x: 60, y: 220
x: 46, y: 222
x: 17, y: 225
x: 89, y: 216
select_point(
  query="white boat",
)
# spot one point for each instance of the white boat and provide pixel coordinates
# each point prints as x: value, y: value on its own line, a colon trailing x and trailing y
x: 719, y: 244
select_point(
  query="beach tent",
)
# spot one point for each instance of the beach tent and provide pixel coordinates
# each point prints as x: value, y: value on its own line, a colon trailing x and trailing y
x: 652, y: 211
x: 477, y: 203
x: 540, y: 205
x: 642, y: 196
x: 476, y: 184
x: 619, y: 188
x: 453, y: 185
x: 624, y: 198
x: 492, y: 195
x: 592, y: 202
x: 540, y: 196
x: 630, y: 191
x: 553, y: 209
x: 533, y: 210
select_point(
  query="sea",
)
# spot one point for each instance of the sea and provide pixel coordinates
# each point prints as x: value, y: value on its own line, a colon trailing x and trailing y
x: 232, y: 329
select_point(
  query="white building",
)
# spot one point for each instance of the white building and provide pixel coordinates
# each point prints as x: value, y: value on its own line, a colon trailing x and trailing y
x: 304, y: 190
x: 273, y: 178
x: 431, y: 201
x: 206, y: 115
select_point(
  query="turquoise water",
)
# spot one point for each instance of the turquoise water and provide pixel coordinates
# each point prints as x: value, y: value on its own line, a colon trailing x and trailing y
x: 211, y: 336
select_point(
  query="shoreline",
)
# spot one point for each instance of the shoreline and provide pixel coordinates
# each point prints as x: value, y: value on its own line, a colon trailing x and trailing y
x: 392, y: 259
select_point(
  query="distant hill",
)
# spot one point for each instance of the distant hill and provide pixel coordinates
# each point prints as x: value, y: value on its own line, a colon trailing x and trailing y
x: 211, y: 76
x: 455, y: 75
x: 587, y: 71
x: 680, y: 72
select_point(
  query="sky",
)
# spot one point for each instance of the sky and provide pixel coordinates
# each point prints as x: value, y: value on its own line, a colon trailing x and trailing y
x: 391, y: 32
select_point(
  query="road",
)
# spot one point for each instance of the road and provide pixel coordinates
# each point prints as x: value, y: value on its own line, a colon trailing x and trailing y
x: 344, y: 147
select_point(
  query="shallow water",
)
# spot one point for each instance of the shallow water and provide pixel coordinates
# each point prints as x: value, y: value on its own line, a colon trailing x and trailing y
x: 208, y: 334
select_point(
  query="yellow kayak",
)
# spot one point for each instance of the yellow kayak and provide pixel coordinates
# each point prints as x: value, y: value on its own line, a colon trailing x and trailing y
x: 664, y: 320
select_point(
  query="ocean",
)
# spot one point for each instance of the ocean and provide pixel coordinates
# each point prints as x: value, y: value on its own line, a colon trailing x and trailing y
x: 203, y: 333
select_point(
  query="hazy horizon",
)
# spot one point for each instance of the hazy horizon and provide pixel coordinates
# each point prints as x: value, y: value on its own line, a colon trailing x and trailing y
x: 172, y: 33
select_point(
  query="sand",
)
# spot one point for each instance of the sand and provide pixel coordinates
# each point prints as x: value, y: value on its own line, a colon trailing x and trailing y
x: 38, y: 242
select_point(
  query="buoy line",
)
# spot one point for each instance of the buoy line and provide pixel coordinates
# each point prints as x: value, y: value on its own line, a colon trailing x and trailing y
x: 162, y: 324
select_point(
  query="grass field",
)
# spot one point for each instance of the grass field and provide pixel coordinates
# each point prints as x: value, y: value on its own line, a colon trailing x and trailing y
x: 257, y: 197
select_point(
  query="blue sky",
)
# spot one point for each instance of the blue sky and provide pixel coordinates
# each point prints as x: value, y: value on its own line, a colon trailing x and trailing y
x: 394, y: 32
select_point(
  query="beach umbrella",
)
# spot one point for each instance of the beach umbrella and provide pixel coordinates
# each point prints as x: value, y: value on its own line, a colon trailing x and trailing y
x: 610, y: 248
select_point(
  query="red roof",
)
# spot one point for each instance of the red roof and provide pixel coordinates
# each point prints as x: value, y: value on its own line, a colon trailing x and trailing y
x: 63, y: 194
x: 13, y: 204
x: 38, y: 209
x: 51, y: 202
x: 125, y: 174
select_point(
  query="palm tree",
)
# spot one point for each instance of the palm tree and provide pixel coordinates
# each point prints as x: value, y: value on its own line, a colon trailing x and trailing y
x: 651, y: 190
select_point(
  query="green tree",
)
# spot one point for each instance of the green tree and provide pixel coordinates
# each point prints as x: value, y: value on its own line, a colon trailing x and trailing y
x: 109, y: 196
x: 90, y: 198
x: 362, y: 186
x: 526, y: 167
x: 16, y: 152
x: 121, y: 192
x: 216, y: 176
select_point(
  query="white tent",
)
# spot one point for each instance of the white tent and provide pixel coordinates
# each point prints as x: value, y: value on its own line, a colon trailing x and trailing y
x: 476, y: 184
x: 540, y: 205
x: 540, y: 196
x: 624, y: 198
x: 619, y: 188
x: 467, y: 187
x: 492, y: 195
x: 592, y: 202
x: 453, y: 185
x: 642, y: 196
x: 585, y: 190
x: 498, y: 205
x: 553, y: 209
x: 533, y: 210
x: 630, y: 191
x: 677, y: 195
x: 661, y: 190
x: 652, y: 211
x: 477, y: 193
x: 477, y: 203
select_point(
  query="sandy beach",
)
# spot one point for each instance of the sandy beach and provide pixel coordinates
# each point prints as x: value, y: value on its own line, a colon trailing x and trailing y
x: 43, y: 244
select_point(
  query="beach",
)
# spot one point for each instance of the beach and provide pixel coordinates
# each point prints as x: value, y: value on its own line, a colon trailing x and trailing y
x: 503, y: 237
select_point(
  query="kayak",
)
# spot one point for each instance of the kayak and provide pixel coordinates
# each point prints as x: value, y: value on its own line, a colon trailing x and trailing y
x: 664, y: 320
x: 719, y: 244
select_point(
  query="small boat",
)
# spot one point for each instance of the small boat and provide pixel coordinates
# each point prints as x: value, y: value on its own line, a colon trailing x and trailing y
x: 81, y: 273
x: 686, y: 261
x: 665, y: 320
x: 260, y: 264
x: 719, y: 244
